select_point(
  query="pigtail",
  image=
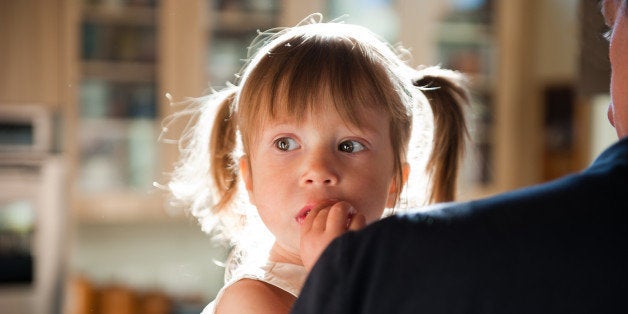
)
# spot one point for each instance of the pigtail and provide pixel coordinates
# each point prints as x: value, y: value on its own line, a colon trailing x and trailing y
x: 221, y: 147
x: 447, y: 95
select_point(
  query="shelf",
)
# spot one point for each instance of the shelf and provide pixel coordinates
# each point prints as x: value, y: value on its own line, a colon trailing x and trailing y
x: 231, y: 22
x: 114, y: 125
x: 117, y: 154
x: 466, y: 33
x: 119, y: 15
x: 122, y: 206
x: 128, y: 72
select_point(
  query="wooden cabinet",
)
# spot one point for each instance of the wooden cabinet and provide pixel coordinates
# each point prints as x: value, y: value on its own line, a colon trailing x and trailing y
x: 467, y: 43
x: 115, y: 113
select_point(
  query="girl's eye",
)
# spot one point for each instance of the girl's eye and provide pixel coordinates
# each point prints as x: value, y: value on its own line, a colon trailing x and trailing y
x: 286, y: 144
x: 351, y: 147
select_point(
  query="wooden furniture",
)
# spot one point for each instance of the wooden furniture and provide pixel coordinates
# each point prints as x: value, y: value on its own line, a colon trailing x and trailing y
x: 134, y: 62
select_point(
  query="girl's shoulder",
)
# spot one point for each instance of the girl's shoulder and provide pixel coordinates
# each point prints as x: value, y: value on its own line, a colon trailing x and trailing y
x: 254, y: 296
x: 272, y: 287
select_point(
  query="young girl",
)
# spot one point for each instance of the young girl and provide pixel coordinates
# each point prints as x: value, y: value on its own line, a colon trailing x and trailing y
x: 318, y: 133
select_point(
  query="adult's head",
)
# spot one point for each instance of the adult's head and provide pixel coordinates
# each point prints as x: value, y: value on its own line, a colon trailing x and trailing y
x: 616, y: 16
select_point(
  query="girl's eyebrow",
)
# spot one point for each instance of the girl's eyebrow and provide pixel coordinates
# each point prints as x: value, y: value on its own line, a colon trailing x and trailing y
x: 277, y: 124
x: 270, y: 128
x: 366, y: 130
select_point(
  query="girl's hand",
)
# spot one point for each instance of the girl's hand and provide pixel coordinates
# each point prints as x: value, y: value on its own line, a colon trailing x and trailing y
x: 323, y: 224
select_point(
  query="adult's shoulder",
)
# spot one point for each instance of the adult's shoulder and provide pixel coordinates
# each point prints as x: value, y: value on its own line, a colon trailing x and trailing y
x: 613, y: 160
x: 494, y: 254
x: 600, y: 188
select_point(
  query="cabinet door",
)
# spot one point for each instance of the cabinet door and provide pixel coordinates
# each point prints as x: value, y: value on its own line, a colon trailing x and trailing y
x: 29, y: 53
x: 233, y: 25
x: 118, y: 116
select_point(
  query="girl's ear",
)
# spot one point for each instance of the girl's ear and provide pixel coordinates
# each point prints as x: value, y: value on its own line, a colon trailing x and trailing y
x: 394, y: 191
x: 245, y: 171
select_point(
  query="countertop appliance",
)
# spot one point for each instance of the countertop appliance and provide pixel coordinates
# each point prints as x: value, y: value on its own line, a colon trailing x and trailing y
x: 32, y: 212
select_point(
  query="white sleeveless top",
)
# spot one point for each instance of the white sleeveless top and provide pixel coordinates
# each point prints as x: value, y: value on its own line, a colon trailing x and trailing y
x: 285, y: 276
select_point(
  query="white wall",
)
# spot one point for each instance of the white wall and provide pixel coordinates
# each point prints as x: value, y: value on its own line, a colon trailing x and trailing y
x: 176, y: 258
x: 602, y: 133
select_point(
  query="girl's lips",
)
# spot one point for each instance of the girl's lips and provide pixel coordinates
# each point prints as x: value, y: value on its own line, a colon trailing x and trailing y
x: 300, y: 217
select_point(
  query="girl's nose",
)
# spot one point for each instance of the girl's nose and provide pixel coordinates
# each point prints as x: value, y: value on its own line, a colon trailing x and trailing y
x: 320, y: 169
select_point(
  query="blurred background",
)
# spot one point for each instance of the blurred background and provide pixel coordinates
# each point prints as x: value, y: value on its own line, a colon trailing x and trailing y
x: 83, y: 87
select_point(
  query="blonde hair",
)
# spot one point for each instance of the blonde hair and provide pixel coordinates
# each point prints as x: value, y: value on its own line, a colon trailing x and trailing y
x: 286, y: 76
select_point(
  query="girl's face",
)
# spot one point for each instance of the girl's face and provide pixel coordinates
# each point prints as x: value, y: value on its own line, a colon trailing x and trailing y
x: 614, y: 12
x: 293, y: 166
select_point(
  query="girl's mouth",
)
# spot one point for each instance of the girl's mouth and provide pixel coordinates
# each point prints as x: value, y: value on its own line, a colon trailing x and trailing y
x: 300, y: 217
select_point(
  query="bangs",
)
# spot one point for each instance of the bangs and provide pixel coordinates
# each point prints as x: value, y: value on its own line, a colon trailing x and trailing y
x: 293, y: 78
